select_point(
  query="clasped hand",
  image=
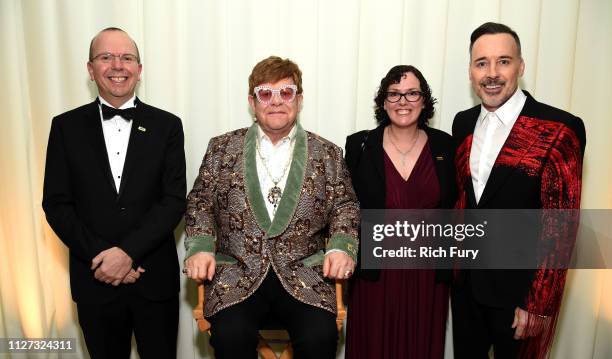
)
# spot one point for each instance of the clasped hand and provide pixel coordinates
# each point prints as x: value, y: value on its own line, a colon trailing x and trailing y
x: 114, y: 266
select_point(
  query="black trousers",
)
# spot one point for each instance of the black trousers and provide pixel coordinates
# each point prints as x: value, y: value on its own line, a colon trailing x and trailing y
x: 477, y: 327
x: 234, y: 330
x: 108, y: 327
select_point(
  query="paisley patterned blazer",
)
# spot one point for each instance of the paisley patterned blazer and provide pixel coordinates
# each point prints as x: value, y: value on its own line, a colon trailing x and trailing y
x: 226, y: 214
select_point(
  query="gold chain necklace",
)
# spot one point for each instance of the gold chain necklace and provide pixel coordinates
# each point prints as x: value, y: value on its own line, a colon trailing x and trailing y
x: 405, y: 153
x: 275, y: 192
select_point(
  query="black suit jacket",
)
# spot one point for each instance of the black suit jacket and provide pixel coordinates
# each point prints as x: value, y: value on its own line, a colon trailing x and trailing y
x: 539, y: 166
x: 365, y: 160
x: 88, y: 215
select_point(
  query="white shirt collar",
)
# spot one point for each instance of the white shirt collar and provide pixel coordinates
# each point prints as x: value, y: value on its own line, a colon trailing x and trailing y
x: 290, y: 136
x: 509, y: 111
x: 129, y: 103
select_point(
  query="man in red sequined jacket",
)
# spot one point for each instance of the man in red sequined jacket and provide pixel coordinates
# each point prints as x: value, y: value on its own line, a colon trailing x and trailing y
x: 513, y: 153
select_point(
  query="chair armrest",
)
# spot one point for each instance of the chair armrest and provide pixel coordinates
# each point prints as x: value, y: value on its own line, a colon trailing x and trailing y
x: 340, y: 304
x: 198, y: 312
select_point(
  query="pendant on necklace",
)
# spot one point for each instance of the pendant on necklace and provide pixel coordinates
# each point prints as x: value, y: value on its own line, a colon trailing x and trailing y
x: 274, y: 196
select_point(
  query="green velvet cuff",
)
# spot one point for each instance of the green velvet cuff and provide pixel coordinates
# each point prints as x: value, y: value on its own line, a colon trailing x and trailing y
x: 224, y: 259
x: 345, y: 243
x: 314, y: 260
x: 197, y: 244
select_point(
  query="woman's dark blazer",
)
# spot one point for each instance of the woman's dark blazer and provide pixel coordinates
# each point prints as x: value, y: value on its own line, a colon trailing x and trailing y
x: 365, y: 160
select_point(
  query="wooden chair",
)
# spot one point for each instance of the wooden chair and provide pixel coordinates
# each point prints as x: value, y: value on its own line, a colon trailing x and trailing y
x: 263, y: 347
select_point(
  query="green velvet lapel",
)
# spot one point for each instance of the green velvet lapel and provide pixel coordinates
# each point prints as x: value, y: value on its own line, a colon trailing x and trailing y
x: 251, y: 180
x: 291, y: 192
x: 293, y: 187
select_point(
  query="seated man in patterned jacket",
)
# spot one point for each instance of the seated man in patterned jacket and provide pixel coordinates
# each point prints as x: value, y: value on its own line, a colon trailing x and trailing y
x: 272, y: 219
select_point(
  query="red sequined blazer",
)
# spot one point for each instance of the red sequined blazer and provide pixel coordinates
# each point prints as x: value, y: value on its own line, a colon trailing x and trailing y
x: 539, y: 166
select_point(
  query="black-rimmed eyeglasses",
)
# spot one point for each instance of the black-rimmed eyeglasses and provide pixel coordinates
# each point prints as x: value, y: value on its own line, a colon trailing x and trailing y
x: 410, y: 96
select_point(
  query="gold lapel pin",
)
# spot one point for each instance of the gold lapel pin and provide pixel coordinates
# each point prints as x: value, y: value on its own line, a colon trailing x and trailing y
x: 140, y: 128
x: 439, y: 158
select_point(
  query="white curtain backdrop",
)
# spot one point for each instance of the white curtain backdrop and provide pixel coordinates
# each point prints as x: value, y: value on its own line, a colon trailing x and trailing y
x: 197, y: 56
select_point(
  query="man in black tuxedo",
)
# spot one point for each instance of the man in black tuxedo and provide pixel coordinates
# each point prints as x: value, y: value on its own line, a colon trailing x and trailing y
x: 114, y: 191
x: 513, y: 152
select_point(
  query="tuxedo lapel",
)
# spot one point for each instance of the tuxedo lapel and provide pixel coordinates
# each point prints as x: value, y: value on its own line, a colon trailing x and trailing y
x: 95, y: 137
x: 462, y: 159
x: 136, y: 145
x: 466, y: 172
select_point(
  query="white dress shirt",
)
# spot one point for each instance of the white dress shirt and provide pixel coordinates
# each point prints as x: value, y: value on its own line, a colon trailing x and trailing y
x: 278, y: 157
x: 490, y: 134
x: 116, y: 136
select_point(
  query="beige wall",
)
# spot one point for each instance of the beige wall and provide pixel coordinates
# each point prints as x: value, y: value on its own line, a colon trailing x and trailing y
x: 197, y: 56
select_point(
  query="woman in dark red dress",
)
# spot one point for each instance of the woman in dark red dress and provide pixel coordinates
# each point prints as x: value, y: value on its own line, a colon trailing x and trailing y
x: 402, y: 164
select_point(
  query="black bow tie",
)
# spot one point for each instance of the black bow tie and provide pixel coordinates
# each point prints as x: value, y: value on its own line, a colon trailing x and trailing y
x: 110, y: 112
